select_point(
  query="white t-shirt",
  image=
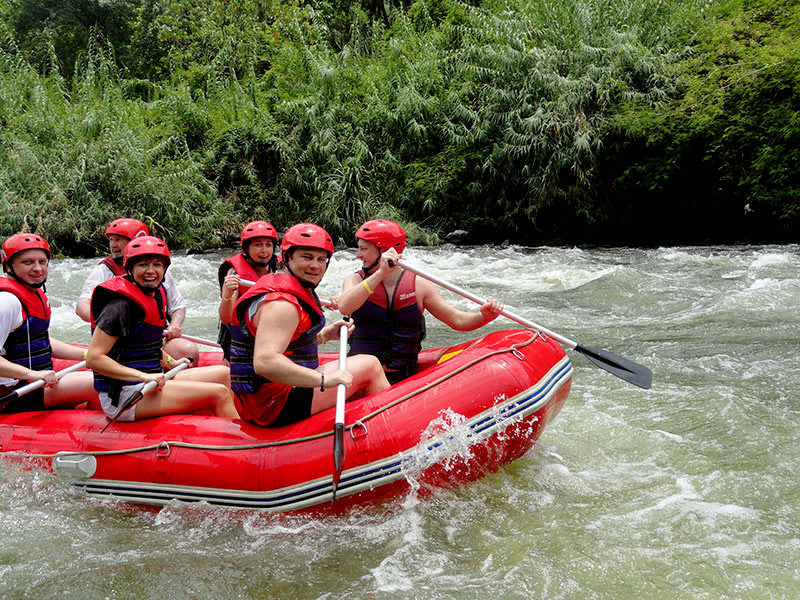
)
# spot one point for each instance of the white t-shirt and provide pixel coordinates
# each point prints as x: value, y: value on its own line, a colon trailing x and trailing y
x: 10, y: 319
x: 102, y: 273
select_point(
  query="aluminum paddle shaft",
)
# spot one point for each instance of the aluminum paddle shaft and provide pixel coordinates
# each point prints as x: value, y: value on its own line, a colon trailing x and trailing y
x: 623, y: 368
x: 338, y: 427
x: 133, y: 400
x: 35, y: 385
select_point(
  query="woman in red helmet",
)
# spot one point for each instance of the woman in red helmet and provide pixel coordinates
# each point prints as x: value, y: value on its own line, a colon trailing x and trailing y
x: 387, y: 303
x: 278, y: 325
x: 27, y: 348
x: 128, y: 317
x: 257, y: 258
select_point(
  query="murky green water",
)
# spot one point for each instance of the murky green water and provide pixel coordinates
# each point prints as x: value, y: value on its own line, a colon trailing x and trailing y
x: 688, y: 490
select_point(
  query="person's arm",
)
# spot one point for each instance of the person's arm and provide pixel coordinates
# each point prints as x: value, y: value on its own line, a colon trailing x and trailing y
x: 10, y: 319
x: 176, y: 307
x: 174, y: 330
x: 97, y: 359
x: 355, y: 293
x: 276, y: 321
x: 64, y: 350
x: 83, y: 308
x: 229, y: 295
x: 433, y: 301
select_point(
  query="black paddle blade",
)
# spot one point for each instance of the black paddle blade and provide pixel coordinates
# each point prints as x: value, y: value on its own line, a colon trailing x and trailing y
x: 616, y: 365
x: 338, y: 456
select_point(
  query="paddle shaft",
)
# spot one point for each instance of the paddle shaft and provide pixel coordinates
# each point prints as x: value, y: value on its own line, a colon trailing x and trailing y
x: 206, y: 342
x: 477, y: 299
x: 133, y: 400
x: 35, y: 385
x: 627, y: 370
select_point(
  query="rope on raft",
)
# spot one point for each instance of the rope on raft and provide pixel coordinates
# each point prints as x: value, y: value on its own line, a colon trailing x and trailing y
x: 175, y: 444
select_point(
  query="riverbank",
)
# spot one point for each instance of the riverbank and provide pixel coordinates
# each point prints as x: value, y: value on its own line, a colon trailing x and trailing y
x: 531, y: 122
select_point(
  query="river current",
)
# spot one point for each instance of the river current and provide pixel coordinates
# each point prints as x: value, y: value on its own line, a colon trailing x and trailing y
x: 687, y: 490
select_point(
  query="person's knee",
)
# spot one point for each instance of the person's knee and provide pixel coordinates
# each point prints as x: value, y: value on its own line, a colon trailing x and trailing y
x: 183, y: 348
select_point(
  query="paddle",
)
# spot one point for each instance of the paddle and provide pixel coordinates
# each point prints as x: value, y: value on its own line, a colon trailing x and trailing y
x: 338, y: 427
x: 623, y: 368
x: 35, y: 385
x: 133, y: 400
x: 206, y: 342
x: 248, y: 283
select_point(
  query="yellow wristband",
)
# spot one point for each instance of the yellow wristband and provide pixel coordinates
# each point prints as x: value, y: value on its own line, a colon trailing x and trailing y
x: 366, y: 286
x: 169, y: 360
x: 228, y: 299
x: 85, y: 354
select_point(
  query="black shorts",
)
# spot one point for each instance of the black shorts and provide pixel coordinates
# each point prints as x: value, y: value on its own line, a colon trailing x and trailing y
x: 297, y: 407
x: 33, y: 400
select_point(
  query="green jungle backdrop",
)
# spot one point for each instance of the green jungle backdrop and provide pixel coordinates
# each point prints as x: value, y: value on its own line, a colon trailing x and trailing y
x: 537, y: 121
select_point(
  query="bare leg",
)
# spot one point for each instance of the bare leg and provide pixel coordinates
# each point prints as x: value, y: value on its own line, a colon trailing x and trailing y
x: 182, y: 348
x: 211, y: 374
x: 71, y: 390
x: 368, y: 378
x: 180, y: 397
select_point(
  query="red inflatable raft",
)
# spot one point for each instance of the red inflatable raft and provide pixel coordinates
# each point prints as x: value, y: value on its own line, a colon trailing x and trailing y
x: 469, y: 410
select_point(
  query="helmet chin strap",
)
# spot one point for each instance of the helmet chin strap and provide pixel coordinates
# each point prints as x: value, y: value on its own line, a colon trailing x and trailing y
x: 147, y: 289
x: 35, y: 286
x: 305, y: 283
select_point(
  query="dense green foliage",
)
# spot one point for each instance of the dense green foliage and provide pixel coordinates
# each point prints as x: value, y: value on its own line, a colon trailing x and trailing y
x: 583, y: 120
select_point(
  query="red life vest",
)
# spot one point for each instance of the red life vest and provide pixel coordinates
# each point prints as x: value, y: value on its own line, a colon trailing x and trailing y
x: 114, y: 267
x: 29, y: 344
x: 260, y: 400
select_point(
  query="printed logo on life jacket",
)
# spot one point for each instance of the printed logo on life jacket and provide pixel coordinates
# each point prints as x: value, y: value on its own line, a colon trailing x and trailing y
x: 404, y: 296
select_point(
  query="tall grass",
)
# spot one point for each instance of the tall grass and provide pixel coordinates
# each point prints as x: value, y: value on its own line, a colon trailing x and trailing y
x: 490, y: 116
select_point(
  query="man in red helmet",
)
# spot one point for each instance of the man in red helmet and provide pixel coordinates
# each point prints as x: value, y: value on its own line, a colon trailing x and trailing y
x: 387, y: 302
x: 125, y: 353
x: 277, y: 327
x: 259, y: 240
x: 27, y: 348
x: 119, y: 233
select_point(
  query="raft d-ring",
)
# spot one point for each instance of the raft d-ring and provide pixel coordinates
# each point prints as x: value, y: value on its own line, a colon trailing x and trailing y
x: 518, y: 354
x: 358, y: 424
x: 163, y: 450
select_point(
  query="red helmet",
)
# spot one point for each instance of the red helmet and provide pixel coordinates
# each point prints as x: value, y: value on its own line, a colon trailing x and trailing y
x: 129, y: 228
x: 307, y: 235
x: 383, y: 233
x: 258, y: 229
x: 22, y: 241
x: 146, y: 245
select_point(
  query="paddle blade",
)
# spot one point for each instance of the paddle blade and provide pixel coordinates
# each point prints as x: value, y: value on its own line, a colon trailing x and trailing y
x: 338, y: 456
x: 623, y: 368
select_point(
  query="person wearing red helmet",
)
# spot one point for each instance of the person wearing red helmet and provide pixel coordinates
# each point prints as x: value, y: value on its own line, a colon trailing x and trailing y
x: 27, y: 348
x: 259, y: 240
x: 119, y: 233
x: 125, y: 353
x: 276, y: 329
x: 388, y: 303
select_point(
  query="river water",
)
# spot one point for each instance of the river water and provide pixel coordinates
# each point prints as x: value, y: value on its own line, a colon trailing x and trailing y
x: 687, y: 490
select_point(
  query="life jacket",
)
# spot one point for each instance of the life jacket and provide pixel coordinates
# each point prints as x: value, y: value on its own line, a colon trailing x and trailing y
x: 114, y: 267
x: 261, y: 400
x: 392, y: 329
x: 246, y: 271
x: 29, y: 344
x: 141, y: 348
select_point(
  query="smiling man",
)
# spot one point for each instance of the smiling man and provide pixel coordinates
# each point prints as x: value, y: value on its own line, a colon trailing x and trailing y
x: 278, y: 325
x: 27, y: 348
